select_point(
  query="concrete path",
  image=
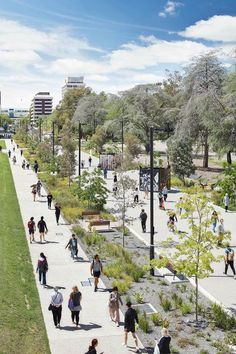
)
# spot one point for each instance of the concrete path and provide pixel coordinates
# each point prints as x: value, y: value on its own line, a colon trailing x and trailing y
x: 217, y: 287
x: 65, y: 273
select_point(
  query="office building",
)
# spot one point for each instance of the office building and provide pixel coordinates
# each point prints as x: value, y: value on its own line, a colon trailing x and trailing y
x: 41, y: 105
x: 72, y: 83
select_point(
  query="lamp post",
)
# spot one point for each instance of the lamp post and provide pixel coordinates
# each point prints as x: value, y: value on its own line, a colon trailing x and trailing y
x: 79, y: 151
x: 40, y: 129
x: 53, y: 138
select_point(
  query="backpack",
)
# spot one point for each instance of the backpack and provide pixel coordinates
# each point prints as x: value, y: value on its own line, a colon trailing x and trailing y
x: 30, y: 224
x: 113, y: 299
x: 76, y: 299
x: 230, y: 255
x: 43, y: 265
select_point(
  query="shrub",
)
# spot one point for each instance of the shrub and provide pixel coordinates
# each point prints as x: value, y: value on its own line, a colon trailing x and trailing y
x: 144, y: 324
x: 139, y: 298
x: 175, y: 350
x: 204, y: 351
x: 156, y: 319
x: 94, y: 239
x: 123, y: 285
x: 185, y: 309
x: 163, y: 282
x: 79, y: 231
x: 177, y: 300
x: 230, y: 338
x: 221, y: 318
x: 137, y: 273
x: 165, y: 303
x: 165, y: 323
x: 184, y: 342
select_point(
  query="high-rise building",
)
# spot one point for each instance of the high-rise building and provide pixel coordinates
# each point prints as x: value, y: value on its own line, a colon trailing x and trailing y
x: 72, y: 83
x: 41, y: 105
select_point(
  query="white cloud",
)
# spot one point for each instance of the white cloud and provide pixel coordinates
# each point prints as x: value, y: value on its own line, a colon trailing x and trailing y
x: 216, y: 28
x: 170, y: 8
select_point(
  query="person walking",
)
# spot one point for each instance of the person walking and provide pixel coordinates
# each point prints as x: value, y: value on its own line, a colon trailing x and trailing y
x: 130, y: 318
x: 143, y: 218
x: 214, y: 219
x: 165, y: 193
x: 160, y: 197
x: 115, y: 178
x: 9, y: 154
x: 42, y: 226
x: 164, y: 342
x: 42, y: 268
x: 38, y: 186
x: 31, y: 228
x: 96, y: 270
x: 171, y: 222
x: 56, y: 305
x: 21, y: 152
x: 146, y: 191
x: 73, y: 246
x: 34, y: 191
x: 220, y: 232
x: 226, y: 202
x: 229, y: 260
x: 23, y: 164
x: 136, y: 195
x: 90, y: 161
x: 92, y: 347
x: 14, y: 160
x: 105, y: 172
x: 74, y: 305
x: 49, y: 199
x: 36, y: 166
x: 57, y: 212
x: 114, y: 310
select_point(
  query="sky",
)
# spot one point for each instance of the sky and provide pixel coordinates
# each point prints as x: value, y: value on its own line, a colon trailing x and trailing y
x: 113, y: 44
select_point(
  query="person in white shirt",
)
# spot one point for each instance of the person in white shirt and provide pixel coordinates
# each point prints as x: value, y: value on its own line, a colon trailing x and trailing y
x: 56, y: 302
x: 165, y: 193
x: 220, y: 232
x: 226, y: 202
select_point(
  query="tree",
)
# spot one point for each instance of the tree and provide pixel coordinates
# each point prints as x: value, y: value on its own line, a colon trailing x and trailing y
x: 203, y: 88
x: 194, y: 252
x: 180, y: 154
x: 4, y: 120
x: 132, y: 145
x: 228, y: 183
x: 92, y: 188
x: 67, y: 161
x: 98, y: 139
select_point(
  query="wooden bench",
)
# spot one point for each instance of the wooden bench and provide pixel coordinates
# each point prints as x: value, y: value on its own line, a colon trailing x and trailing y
x: 90, y: 214
x: 171, y: 268
x: 100, y: 223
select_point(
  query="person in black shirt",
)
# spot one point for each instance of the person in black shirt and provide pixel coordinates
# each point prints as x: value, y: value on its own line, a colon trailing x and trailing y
x: 57, y: 212
x: 36, y: 166
x: 143, y: 218
x: 164, y: 342
x: 130, y: 318
x: 49, y: 198
x: 42, y: 226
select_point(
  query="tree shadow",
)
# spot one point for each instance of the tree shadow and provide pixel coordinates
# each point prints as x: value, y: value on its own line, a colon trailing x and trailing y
x: 69, y: 328
x: 81, y: 260
x: 88, y: 327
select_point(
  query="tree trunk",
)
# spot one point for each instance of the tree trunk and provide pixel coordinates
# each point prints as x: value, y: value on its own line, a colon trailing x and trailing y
x: 147, y: 147
x: 229, y: 158
x: 206, y: 152
x: 196, y: 298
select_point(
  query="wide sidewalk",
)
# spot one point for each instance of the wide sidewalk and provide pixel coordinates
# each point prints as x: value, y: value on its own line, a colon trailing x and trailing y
x: 64, y: 273
x: 217, y: 286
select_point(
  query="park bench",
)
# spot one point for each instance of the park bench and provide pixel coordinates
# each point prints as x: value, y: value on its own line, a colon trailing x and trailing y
x: 176, y: 278
x: 100, y: 223
x: 90, y: 214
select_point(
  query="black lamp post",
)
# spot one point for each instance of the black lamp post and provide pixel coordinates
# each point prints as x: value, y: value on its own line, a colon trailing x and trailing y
x: 53, y: 138
x: 79, y: 151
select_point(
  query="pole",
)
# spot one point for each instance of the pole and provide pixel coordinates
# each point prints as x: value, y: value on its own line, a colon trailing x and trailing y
x: 122, y: 137
x: 53, y: 138
x: 151, y: 202
x: 40, y: 130
x: 79, y: 152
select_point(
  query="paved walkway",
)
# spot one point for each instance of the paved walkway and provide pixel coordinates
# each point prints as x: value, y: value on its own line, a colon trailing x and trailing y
x: 65, y: 273
x: 217, y: 287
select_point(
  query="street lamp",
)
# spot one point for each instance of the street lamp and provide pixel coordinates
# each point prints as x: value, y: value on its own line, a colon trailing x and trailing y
x: 79, y: 152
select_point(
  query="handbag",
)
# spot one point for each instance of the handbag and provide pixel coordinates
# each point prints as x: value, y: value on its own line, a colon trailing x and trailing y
x: 50, y: 307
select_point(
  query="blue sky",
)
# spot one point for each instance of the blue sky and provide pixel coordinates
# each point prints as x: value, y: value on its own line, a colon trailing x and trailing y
x: 114, y: 44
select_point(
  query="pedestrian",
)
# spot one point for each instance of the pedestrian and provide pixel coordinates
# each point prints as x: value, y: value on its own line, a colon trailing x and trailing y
x: 136, y: 195
x: 14, y: 149
x: 42, y: 268
x: 17, y: 145
x: 36, y: 166
x: 96, y: 270
x: 11, y: 141
x: 21, y: 152
x: 164, y: 342
x: 146, y: 191
x: 114, y: 310
x: 115, y: 178
x: 14, y: 160
x: 105, y: 172
x: 214, y: 219
x: 171, y: 222
x: 39, y: 186
x: 73, y: 246
x: 82, y: 164
x: 160, y: 197
x: 49, y: 198
x: 90, y: 161
x: 31, y: 228
x: 27, y: 166
x: 114, y: 189
x: 42, y: 226
x: 226, y: 202
x: 229, y: 259
x: 165, y: 193
x: 92, y: 347
x: 74, y: 304
x: 9, y: 154
x: 34, y: 191
x: 23, y: 164
x: 220, y: 232
x: 180, y: 208
x: 57, y: 212
x: 143, y: 218
x: 130, y: 318
x: 56, y: 306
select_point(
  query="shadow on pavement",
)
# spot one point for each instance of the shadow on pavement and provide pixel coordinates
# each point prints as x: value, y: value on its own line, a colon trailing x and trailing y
x: 69, y: 328
x: 87, y: 327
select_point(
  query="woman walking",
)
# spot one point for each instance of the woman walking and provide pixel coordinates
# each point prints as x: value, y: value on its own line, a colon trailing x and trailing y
x: 92, y: 347
x: 114, y: 301
x: 42, y: 268
x: 96, y: 270
x: 57, y: 212
x: 74, y: 305
x: 214, y: 219
x: 34, y: 191
x: 164, y: 342
x: 56, y: 305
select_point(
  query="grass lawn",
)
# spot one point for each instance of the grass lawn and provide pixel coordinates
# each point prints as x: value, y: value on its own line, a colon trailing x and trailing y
x: 22, y: 327
x: 2, y: 144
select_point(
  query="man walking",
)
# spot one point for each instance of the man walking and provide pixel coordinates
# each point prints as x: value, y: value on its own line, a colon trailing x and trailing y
x: 90, y: 161
x: 73, y: 246
x: 42, y: 226
x: 226, y: 202
x: 49, y: 198
x: 220, y: 232
x: 130, y: 318
x: 56, y: 302
x: 143, y: 218
x: 96, y: 270
x: 229, y: 259
x: 39, y: 186
x: 165, y: 193
x: 32, y: 228
x: 42, y: 269
x: 136, y: 195
x: 36, y: 166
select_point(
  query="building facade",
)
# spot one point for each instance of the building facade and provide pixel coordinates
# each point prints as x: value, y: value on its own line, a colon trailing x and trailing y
x: 41, y: 105
x: 72, y: 83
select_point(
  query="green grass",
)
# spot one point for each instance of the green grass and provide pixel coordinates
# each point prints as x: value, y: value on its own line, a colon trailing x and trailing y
x: 2, y: 144
x: 21, y: 322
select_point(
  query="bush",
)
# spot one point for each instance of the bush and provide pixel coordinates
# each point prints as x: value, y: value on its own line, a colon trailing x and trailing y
x: 175, y: 350
x: 230, y: 338
x: 156, y: 319
x: 94, y: 239
x: 177, y: 300
x: 79, y: 231
x: 221, y: 318
x: 185, y: 309
x: 139, y: 298
x: 165, y: 303
x: 204, y: 351
x: 123, y: 285
x: 144, y: 324
x: 184, y: 342
x: 165, y: 323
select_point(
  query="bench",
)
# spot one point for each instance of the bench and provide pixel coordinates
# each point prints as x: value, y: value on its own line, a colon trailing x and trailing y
x: 100, y: 223
x: 173, y: 272
x: 90, y: 214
